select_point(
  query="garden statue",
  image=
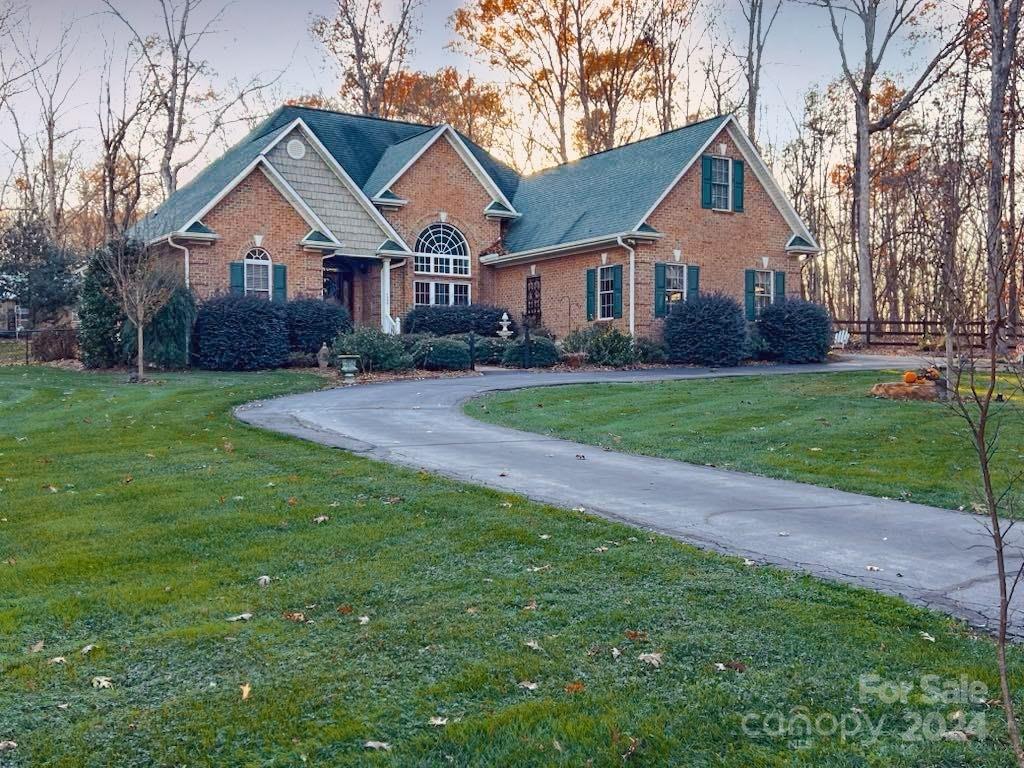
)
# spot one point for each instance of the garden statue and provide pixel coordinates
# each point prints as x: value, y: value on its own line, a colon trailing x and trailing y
x: 323, y: 357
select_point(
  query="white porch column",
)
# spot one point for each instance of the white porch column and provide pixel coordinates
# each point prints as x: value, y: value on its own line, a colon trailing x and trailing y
x: 385, y: 296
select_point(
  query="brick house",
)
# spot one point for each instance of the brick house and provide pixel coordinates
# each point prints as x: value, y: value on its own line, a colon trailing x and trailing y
x: 381, y: 215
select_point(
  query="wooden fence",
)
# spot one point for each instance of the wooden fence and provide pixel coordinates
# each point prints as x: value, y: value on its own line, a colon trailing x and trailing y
x: 916, y: 333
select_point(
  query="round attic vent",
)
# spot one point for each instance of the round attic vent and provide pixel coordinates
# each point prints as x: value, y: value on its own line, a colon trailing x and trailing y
x: 296, y: 149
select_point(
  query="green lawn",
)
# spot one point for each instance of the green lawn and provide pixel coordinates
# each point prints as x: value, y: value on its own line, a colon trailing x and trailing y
x: 137, y: 519
x: 816, y: 428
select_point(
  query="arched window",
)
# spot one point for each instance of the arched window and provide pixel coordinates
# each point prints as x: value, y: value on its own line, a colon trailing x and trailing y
x: 442, y: 250
x: 257, y: 273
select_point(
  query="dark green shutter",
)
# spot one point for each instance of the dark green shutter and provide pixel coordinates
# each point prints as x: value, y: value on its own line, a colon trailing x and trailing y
x: 236, y: 277
x: 737, y: 185
x: 591, y: 294
x: 280, y: 283
x: 705, y: 182
x: 617, y: 290
x: 692, y: 282
x: 749, y: 295
x: 659, y: 290
x: 780, y: 286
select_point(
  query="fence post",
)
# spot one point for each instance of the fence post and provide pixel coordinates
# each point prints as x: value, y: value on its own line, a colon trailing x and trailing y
x: 472, y: 351
x: 527, y: 352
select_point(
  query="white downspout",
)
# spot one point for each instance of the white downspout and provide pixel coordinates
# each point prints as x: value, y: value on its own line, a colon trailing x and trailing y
x: 386, y: 322
x: 632, y: 284
x: 183, y: 249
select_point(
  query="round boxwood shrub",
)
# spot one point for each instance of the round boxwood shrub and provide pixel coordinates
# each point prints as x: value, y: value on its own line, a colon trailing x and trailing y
x: 611, y: 347
x: 489, y: 350
x: 442, y: 354
x: 543, y: 353
x: 166, y: 340
x: 100, y: 320
x: 377, y: 350
x: 482, y: 319
x: 649, y: 351
x: 312, y: 322
x: 241, y: 333
x: 707, y: 330
x: 796, y: 331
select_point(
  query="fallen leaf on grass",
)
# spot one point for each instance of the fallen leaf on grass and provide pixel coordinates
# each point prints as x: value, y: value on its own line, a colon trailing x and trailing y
x: 636, y: 635
x: 88, y: 649
x: 383, y: 745
x: 439, y: 721
x: 735, y: 666
x: 616, y: 653
x: 527, y: 685
x: 127, y: 480
x: 654, y: 659
x: 926, y: 636
x: 7, y: 745
x: 634, y: 745
x: 392, y: 500
x: 246, y: 690
x: 538, y: 568
x: 57, y: 660
x: 533, y: 645
x: 320, y: 519
x: 364, y: 620
x: 102, y: 682
x: 297, y: 616
x: 229, y: 446
x: 263, y: 581
x: 530, y: 606
x: 600, y: 549
x: 748, y: 562
x: 240, y: 617
x: 344, y: 609
x: 956, y: 735
x: 37, y: 647
x: 574, y: 687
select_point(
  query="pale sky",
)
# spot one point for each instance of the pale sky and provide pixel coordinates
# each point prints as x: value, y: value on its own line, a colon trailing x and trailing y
x: 273, y: 35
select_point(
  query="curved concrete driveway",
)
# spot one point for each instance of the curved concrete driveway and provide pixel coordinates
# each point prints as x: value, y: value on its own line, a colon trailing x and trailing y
x: 937, y: 558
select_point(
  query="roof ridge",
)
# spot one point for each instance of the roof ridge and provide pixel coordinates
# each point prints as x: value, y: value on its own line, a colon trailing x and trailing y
x: 355, y: 114
x: 628, y: 144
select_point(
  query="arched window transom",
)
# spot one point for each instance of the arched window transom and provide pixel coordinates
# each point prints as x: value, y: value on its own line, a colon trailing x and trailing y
x: 442, y: 250
x: 257, y: 273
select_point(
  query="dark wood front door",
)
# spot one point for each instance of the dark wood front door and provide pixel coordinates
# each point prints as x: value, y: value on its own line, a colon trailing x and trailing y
x: 338, y: 287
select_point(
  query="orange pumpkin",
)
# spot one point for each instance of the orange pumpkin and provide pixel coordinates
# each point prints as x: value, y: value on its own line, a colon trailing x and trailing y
x: 910, y: 377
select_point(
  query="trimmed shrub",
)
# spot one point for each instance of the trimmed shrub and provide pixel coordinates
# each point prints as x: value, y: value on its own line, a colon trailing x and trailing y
x: 707, y: 330
x: 757, y: 349
x: 445, y: 321
x: 377, y: 350
x: 442, y: 354
x: 100, y: 321
x: 54, y: 344
x: 241, y: 333
x: 166, y: 340
x: 543, y: 353
x: 613, y: 348
x: 490, y: 350
x: 412, y: 343
x: 312, y: 322
x: 579, y: 339
x: 796, y: 331
x: 649, y: 351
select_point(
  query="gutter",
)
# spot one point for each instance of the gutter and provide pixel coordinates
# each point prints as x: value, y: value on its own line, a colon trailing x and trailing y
x: 632, y: 284
x: 183, y: 249
x: 551, y: 251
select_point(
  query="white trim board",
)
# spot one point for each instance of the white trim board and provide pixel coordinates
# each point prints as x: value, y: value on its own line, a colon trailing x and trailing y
x: 756, y: 164
x: 467, y: 157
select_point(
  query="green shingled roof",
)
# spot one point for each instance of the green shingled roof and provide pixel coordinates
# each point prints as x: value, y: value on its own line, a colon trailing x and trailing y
x: 603, y: 194
x: 597, y: 196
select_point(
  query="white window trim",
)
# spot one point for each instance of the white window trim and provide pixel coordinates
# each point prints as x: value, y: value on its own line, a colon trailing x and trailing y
x: 451, y: 292
x: 728, y: 184
x: 601, y: 318
x: 771, y: 288
x: 268, y: 263
x: 433, y: 268
x: 686, y: 282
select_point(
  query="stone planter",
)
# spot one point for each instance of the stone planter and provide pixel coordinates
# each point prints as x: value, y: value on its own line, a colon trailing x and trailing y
x: 349, y: 365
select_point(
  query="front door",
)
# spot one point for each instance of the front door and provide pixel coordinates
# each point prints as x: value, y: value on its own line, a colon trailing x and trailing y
x: 338, y: 287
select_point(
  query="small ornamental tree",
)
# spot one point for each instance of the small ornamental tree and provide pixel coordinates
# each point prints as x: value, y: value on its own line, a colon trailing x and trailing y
x: 100, y: 321
x: 707, y: 330
x: 39, y: 274
x: 141, y: 281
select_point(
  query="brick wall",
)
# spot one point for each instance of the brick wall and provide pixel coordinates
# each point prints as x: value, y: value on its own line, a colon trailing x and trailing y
x: 722, y: 244
x: 255, y: 206
x: 440, y: 182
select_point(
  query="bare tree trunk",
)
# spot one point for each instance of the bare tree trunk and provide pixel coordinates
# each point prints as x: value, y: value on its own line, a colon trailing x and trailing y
x: 141, y: 358
x: 862, y: 214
